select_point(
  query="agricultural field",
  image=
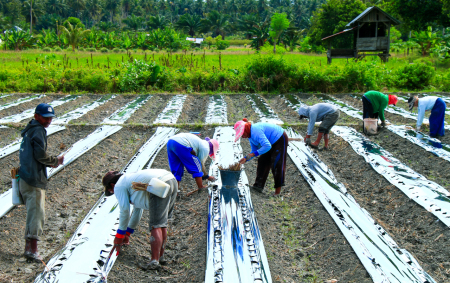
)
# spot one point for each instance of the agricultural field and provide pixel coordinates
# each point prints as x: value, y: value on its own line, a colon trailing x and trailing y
x: 369, y: 208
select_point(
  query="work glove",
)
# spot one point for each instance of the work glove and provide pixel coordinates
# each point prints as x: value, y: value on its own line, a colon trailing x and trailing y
x: 383, y: 124
x: 308, y: 141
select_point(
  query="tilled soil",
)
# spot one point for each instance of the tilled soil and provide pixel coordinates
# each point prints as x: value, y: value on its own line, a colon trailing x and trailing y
x: 27, y: 105
x: 150, y: 110
x: 284, y: 112
x: 302, y: 242
x: 97, y: 115
x: 70, y: 195
x: 9, y: 135
x: 410, y: 225
x: 194, y: 109
x: 238, y: 108
x: 186, y: 247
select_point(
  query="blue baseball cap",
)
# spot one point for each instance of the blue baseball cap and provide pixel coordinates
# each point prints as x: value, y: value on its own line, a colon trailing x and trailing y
x: 45, y: 110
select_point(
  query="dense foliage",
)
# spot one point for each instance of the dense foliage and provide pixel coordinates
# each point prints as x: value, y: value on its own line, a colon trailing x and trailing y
x: 187, y: 73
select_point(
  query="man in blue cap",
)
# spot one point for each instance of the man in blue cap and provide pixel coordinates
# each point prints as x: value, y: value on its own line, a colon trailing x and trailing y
x: 33, y: 175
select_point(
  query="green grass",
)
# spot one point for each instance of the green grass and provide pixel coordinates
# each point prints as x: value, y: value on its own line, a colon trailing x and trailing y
x: 231, y: 59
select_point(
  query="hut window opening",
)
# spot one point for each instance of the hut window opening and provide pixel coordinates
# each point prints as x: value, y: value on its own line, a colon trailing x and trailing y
x: 368, y: 30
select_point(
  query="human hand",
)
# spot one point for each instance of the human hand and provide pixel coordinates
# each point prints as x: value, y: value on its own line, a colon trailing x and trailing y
x: 118, y: 242
x: 243, y: 160
x: 308, y: 141
x: 126, y: 240
x: 60, y: 159
x: 211, y: 178
x: 383, y: 124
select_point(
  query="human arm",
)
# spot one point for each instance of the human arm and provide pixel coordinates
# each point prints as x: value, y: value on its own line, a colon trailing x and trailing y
x: 420, y: 114
x: 312, y: 122
x: 39, y: 153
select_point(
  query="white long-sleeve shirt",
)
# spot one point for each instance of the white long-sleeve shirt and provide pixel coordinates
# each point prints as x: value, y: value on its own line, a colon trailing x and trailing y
x: 425, y: 104
x: 140, y: 199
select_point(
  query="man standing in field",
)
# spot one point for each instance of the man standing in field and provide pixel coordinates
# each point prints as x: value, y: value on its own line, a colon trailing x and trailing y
x: 33, y: 175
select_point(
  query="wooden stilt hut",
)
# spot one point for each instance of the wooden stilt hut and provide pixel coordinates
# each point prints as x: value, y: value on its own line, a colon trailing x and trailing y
x: 371, y: 34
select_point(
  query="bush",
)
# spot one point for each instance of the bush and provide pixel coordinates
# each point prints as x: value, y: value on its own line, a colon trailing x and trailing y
x: 138, y: 75
x: 122, y: 50
x: 414, y: 76
x: 222, y: 44
x: 104, y: 50
x: 81, y: 49
x: 269, y: 73
x: 269, y: 48
x: 156, y: 49
x: 90, y: 49
x: 57, y: 49
x: 116, y: 50
x: 239, y: 42
x: 47, y: 49
x: 69, y: 49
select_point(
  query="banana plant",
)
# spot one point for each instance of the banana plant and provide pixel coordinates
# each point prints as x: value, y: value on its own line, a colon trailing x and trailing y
x: 126, y: 41
x: 19, y: 39
x: 426, y: 40
x: 48, y: 38
x: 109, y: 40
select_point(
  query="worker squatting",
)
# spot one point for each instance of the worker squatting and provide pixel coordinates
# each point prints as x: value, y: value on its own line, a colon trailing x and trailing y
x: 188, y: 152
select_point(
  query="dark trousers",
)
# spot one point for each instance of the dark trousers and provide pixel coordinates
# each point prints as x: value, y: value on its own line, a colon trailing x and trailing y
x: 368, y: 109
x: 274, y: 159
x: 437, y: 118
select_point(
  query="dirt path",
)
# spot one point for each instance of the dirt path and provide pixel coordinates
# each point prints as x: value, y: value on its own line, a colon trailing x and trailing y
x: 150, y: 110
x: 194, y: 109
x: 238, y: 108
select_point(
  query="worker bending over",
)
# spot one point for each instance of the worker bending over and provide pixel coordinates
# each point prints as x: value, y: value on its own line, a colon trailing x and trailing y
x: 269, y: 142
x: 188, y: 150
x: 160, y: 209
x: 324, y: 112
x: 437, y: 117
x: 374, y: 103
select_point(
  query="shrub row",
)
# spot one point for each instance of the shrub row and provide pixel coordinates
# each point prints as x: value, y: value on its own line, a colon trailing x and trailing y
x: 263, y: 73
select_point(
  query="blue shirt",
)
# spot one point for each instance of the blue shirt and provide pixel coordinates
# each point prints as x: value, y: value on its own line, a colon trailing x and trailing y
x: 263, y: 136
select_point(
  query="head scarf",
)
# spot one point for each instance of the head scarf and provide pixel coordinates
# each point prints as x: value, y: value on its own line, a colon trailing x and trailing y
x: 213, y: 147
x: 411, y: 101
x: 393, y: 99
x: 242, y: 127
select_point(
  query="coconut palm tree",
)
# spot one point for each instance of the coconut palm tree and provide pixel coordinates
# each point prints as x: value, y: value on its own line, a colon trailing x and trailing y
x: 73, y: 34
x: 157, y: 22
x: 217, y: 23
x: 189, y: 23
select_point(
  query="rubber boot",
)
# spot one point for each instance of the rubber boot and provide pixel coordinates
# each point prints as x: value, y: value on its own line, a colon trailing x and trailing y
x: 326, y: 139
x: 27, y: 247
x: 33, y: 254
x: 317, y: 142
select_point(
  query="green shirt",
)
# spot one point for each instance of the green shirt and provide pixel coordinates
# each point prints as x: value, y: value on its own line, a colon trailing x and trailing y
x: 379, y: 102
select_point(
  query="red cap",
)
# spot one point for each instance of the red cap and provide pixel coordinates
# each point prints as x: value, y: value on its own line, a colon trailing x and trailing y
x: 392, y: 99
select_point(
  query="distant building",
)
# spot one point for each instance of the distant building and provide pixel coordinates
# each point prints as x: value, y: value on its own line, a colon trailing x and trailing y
x: 371, y: 34
x: 196, y: 40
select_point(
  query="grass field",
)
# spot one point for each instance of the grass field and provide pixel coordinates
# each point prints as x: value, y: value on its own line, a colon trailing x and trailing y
x: 233, y: 70
x: 231, y: 59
